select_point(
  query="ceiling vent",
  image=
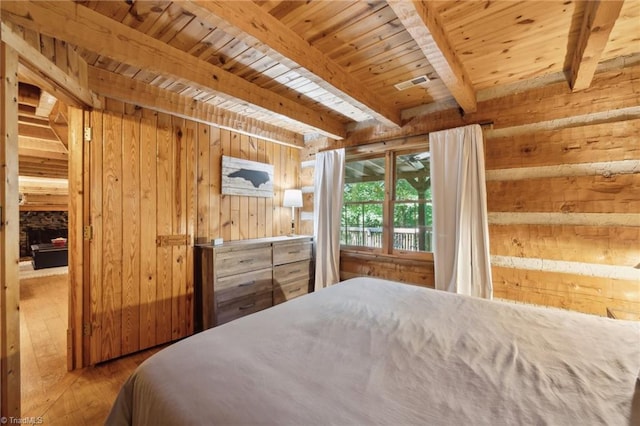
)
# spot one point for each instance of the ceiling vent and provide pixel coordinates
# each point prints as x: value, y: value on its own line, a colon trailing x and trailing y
x: 418, y: 81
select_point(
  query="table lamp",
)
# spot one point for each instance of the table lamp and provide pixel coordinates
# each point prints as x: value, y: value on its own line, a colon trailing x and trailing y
x: 293, y: 199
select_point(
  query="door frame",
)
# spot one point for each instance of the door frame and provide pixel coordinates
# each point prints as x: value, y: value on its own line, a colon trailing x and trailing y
x: 9, y: 235
x: 17, y: 55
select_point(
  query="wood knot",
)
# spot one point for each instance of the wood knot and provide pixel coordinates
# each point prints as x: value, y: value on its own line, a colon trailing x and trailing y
x: 568, y: 208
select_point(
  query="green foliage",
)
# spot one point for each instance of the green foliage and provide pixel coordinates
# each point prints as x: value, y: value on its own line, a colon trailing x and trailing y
x: 364, y: 191
x: 406, y: 215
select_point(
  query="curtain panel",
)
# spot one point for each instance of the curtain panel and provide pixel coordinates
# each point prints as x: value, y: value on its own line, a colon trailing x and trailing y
x: 329, y: 184
x: 461, y: 232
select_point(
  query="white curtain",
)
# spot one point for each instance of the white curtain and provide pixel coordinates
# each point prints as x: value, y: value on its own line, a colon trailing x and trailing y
x: 329, y: 184
x: 461, y: 232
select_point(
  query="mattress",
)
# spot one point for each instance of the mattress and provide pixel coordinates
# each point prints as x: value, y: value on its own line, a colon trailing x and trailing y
x: 369, y: 351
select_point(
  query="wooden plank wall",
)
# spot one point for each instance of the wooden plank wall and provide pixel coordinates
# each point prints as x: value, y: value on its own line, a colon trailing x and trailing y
x: 141, y: 181
x: 563, y: 183
x: 159, y: 175
x: 234, y: 217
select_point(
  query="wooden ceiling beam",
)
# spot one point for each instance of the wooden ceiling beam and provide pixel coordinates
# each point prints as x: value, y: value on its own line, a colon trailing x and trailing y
x: 58, y: 123
x: 136, y: 92
x: 90, y: 30
x: 597, y: 23
x: 48, y: 75
x: 30, y: 76
x: 262, y: 31
x: 422, y: 22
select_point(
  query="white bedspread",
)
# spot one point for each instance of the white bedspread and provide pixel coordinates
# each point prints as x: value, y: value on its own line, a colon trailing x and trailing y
x: 375, y: 352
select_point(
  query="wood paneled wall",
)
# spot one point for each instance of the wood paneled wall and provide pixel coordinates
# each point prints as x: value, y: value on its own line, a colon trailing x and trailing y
x: 153, y: 176
x: 563, y: 183
x: 234, y: 217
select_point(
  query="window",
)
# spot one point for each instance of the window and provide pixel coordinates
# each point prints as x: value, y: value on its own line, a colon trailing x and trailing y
x: 388, y: 191
x: 412, y: 211
x: 363, y: 203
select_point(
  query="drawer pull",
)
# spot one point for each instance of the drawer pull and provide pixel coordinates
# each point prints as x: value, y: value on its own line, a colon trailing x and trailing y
x: 247, y: 284
x: 296, y: 271
x: 295, y: 289
x: 245, y: 307
x: 294, y: 252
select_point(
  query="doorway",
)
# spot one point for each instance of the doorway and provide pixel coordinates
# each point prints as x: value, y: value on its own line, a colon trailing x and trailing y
x: 43, y: 273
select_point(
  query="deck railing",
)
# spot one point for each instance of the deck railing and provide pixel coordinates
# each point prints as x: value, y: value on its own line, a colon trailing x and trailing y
x: 403, y: 238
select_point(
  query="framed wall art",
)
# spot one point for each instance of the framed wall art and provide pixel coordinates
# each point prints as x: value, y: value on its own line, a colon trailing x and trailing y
x: 245, y: 177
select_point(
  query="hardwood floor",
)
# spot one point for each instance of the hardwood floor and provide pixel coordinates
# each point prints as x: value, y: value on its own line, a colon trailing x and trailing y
x: 49, y: 391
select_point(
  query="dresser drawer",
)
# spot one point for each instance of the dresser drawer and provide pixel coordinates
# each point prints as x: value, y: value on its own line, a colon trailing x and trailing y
x: 292, y: 272
x: 235, y: 286
x: 284, y: 292
x: 292, y: 252
x: 243, y: 306
x: 233, y: 262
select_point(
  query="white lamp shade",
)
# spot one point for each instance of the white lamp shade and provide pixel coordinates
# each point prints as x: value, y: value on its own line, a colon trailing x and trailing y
x: 292, y: 198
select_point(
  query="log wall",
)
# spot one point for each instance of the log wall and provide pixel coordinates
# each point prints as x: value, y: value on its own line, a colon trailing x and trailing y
x: 563, y: 188
x: 563, y: 212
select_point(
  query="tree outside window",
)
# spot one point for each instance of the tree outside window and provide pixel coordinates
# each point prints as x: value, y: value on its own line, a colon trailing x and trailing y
x: 407, y: 175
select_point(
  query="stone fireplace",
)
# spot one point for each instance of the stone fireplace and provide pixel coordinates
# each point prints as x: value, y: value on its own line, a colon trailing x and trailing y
x: 38, y: 227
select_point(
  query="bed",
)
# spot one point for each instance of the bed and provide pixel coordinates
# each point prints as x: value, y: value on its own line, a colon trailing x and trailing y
x: 370, y: 351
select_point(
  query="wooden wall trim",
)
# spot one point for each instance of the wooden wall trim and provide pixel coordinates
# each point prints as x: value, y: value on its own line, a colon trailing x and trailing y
x: 76, y: 241
x: 9, y: 235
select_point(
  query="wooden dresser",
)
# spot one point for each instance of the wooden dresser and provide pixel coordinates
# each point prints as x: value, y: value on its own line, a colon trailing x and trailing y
x: 238, y: 278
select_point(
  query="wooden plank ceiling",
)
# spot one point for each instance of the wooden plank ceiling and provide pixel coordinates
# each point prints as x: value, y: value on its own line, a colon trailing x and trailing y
x: 322, y: 67
x: 42, y: 128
